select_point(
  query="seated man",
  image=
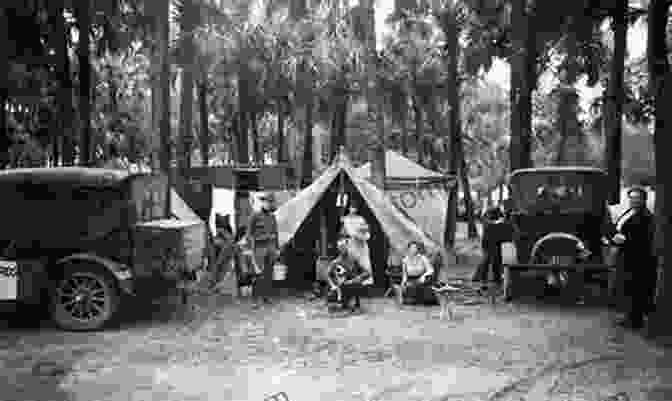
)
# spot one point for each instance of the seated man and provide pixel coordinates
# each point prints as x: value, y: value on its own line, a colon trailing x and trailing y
x: 345, y: 277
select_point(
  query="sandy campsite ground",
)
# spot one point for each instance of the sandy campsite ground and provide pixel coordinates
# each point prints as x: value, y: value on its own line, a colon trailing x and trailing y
x: 220, y: 350
x: 224, y: 351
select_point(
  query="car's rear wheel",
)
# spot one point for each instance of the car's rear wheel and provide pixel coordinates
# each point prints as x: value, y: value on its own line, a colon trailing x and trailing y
x: 84, y: 298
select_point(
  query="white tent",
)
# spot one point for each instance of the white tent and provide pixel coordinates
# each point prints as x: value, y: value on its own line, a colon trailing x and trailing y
x: 398, y: 228
x: 421, y: 193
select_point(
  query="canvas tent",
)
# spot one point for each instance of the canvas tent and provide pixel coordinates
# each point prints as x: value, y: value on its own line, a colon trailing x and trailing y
x: 421, y: 193
x: 180, y: 210
x: 313, y: 216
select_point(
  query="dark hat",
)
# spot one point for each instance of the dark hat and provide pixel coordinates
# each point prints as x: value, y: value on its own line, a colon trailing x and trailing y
x: 223, y: 222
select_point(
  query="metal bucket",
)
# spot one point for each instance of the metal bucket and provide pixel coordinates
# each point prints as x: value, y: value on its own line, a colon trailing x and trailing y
x: 279, y: 272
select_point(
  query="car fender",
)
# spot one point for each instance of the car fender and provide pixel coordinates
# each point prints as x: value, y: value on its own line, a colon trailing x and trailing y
x: 120, y: 271
x: 556, y: 235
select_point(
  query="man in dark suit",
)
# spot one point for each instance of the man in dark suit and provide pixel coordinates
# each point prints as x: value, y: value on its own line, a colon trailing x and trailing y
x: 638, y: 267
x: 494, y: 233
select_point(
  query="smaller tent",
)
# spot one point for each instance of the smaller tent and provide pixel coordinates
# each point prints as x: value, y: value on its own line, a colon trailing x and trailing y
x: 313, y: 216
x: 180, y: 210
x: 421, y: 193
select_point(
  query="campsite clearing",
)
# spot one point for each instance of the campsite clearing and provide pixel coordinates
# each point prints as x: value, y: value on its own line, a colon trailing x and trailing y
x: 223, y: 351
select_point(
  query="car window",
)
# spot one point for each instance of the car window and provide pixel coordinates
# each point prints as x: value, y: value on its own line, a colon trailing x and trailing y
x: 571, y: 192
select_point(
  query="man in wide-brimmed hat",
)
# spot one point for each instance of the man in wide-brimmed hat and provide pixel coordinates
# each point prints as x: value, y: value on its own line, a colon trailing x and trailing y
x: 262, y: 234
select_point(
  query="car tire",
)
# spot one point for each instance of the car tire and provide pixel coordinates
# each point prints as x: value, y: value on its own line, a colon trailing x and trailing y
x: 84, y: 298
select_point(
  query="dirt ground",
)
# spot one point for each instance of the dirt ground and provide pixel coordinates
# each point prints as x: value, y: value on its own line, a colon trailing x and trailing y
x: 222, y: 350
x: 219, y: 349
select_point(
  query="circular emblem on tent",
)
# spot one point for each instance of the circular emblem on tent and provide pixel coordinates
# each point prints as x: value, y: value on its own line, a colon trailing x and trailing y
x: 408, y: 200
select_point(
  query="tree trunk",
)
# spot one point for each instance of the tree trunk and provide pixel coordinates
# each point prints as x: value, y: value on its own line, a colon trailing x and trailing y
x: 570, y: 149
x: 83, y: 20
x: 163, y: 25
x: 449, y: 25
x: 307, y: 167
x: 188, y: 64
x: 243, y: 125
x: 523, y: 66
x: 661, y: 85
x: 114, y: 106
x: 374, y: 95
x: 339, y: 137
x: 613, y: 108
x: 186, y: 121
x: 468, y: 200
x: 282, y: 151
x: 5, y: 142
x: 156, y: 102
x: 205, y: 129
x: 417, y: 115
x: 403, y: 126
x: 256, y: 146
x: 333, y: 137
x: 64, y: 94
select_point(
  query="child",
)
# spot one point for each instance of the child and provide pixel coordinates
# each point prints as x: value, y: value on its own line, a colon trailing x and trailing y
x: 245, y: 272
x: 224, y: 249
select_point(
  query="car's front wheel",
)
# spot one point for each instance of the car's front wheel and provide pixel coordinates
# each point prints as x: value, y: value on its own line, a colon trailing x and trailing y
x: 84, y: 298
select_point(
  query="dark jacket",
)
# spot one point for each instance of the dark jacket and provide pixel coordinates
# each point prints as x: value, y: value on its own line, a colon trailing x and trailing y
x: 638, y: 248
x: 496, y: 230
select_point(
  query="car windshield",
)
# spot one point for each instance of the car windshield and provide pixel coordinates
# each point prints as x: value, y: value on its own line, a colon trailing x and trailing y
x: 563, y: 192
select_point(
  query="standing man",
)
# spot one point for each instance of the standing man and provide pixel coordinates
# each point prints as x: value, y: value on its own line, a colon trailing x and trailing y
x: 493, y: 237
x: 638, y: 267
x: 262, y: 234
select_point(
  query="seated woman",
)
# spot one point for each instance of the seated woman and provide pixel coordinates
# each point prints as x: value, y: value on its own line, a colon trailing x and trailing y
x: 417, y: 273
x: 346, y: 277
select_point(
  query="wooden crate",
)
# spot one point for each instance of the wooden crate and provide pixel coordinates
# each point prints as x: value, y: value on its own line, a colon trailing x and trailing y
x: 168, y: 247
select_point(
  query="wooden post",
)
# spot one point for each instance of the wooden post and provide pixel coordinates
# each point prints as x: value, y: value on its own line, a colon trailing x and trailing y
x: 323, y: 233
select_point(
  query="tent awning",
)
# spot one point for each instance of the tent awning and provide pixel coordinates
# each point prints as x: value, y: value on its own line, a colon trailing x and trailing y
x: 400, y: 168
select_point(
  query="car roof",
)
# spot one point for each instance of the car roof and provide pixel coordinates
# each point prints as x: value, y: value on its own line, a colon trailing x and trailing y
x: 558, y: 169
x: 76, y: 176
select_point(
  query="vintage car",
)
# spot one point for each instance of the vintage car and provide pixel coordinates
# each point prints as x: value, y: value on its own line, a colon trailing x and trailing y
x: 79, y: 240
x: 559, y: 216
